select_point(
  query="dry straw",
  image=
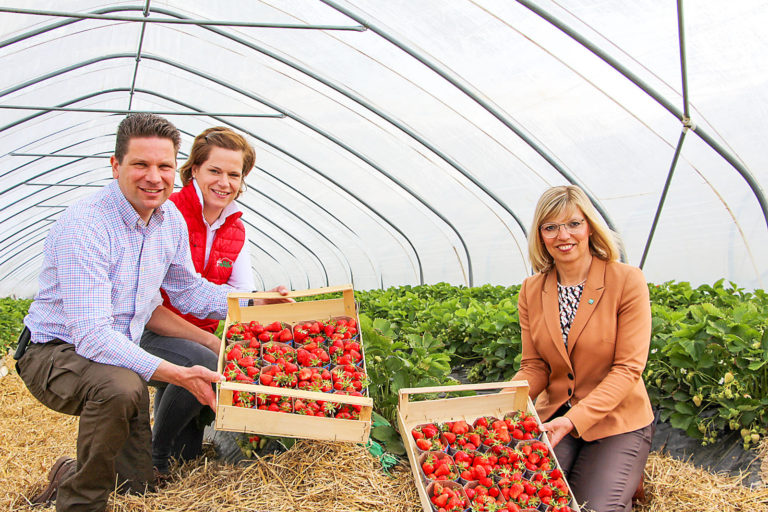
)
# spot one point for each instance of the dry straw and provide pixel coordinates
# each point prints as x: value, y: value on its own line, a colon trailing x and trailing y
x: 312, y: 476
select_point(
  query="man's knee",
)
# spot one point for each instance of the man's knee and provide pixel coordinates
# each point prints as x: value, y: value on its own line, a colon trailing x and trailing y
x: 121, y: 389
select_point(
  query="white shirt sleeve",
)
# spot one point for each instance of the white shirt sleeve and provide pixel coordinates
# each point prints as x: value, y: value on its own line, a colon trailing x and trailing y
x: 241, y: 278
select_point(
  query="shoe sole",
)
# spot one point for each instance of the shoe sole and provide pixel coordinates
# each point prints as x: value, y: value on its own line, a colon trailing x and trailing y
x: 54, y: 479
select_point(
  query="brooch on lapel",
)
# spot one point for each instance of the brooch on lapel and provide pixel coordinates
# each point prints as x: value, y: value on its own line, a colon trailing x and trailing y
x: 591, y: 301
x: 224, y: 262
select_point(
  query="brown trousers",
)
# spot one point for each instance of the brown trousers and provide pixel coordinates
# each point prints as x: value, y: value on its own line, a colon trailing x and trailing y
x: 114, y: 439
x: 604, y: 473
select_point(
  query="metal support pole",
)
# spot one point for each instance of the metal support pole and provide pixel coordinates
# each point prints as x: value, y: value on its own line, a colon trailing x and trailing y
x: 130, y: 111
x: 177, y: 21
x: 145, y: 13
x: 663, y: 195
x: 683, y: 64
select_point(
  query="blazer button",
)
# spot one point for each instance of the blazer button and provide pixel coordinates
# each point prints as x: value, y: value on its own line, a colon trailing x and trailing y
x: 570, y: 391
x: 570, y: 376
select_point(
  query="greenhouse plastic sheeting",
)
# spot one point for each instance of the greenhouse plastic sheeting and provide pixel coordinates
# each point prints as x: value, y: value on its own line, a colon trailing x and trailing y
x: 409, y: 140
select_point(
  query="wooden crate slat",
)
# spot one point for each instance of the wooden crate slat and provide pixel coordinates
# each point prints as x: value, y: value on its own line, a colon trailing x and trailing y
x: 255, y: 421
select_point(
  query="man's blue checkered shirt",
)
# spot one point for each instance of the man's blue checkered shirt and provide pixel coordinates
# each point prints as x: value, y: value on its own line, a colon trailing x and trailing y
x: 102, y: 272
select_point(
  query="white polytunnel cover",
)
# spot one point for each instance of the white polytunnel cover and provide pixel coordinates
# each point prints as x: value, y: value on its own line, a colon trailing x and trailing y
x: 407, y: 142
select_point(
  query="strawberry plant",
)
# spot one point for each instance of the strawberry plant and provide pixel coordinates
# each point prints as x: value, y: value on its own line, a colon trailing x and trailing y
x: 12, y: 313
x: 396, y: 361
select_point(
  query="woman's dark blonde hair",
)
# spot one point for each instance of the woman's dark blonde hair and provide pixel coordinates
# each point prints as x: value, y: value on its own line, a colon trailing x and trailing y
x: 221, y: 137
x: 556, y: 201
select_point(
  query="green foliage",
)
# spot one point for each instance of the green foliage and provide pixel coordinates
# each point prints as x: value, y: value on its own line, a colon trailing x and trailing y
x: 12, y: 313
x: 396, y: 360
x: 707, y: 370
x: 708, y: 367
x: 478, y: 325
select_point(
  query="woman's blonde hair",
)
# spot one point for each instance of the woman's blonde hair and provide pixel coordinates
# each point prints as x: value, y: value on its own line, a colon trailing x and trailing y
x: 556, y: 201
x: 221, y: 137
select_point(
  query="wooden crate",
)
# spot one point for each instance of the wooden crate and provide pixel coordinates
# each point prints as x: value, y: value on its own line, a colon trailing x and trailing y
x: 255, y: 421
x: 467, y: 408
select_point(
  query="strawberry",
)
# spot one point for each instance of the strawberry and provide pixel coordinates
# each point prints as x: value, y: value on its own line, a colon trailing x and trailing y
x: 423, y: 444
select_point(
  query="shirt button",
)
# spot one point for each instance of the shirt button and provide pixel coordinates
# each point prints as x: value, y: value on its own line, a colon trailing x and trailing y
x: 570, y: 376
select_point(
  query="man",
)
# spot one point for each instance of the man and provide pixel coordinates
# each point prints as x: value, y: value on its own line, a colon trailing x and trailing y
x: 105, y: 260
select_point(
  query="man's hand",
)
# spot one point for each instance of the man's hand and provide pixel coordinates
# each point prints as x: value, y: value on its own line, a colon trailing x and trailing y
x: 197, y: 380
x: 282, y: 290
x: 557, y: 429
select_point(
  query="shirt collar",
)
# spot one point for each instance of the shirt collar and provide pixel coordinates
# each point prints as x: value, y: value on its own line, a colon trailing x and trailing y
x: 228, y: 210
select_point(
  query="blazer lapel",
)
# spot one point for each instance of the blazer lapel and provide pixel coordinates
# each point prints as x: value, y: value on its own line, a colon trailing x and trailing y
x: 551, y: 310
x: 590, y: 298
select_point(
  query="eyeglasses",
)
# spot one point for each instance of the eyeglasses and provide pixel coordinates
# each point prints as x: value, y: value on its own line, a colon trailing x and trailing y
x: 551, y: 229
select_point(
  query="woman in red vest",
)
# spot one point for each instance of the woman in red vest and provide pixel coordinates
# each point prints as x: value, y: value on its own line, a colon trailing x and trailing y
x: 213, y: 177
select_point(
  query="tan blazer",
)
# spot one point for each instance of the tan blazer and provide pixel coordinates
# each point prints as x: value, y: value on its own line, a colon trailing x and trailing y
x: 601, y: 372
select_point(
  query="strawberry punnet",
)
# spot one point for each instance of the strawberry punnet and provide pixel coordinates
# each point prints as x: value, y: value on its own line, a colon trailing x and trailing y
x: 309, y: 334
x: 253, y: 333
x: 438, y: 466
x: 347, y: 411
x: 522, y: 426
x: 282, y: 375
x: 271, y: 351
x: 340, y: 328
x: 274, y: 403
x: 484, y: 495
x: 314, y: 379
x: 345, y: 351
x: 349, y: 378
x: 312, y: 356
x: 241, y: 364
x: 319, y: 408
x: 447, y: 497
x: 427, y: 437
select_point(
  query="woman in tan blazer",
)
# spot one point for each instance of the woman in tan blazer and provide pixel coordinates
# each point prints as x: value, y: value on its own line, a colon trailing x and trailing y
x: 586, y: 328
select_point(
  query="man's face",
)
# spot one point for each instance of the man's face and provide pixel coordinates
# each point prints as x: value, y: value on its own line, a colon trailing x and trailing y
x: 146, y: 174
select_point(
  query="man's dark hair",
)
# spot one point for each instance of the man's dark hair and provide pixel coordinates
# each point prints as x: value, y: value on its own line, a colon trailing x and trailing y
x: 144, y: 125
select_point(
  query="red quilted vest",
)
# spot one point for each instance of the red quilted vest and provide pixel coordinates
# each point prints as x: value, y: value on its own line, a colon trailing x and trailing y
x: 229, y: 240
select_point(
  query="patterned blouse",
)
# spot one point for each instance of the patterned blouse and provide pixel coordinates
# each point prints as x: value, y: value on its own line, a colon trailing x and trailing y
x: 568, y: 298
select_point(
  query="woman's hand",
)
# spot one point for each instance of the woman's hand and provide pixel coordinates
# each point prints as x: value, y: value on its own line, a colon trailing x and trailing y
x: 282, y: 290
x: 557, y: 429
